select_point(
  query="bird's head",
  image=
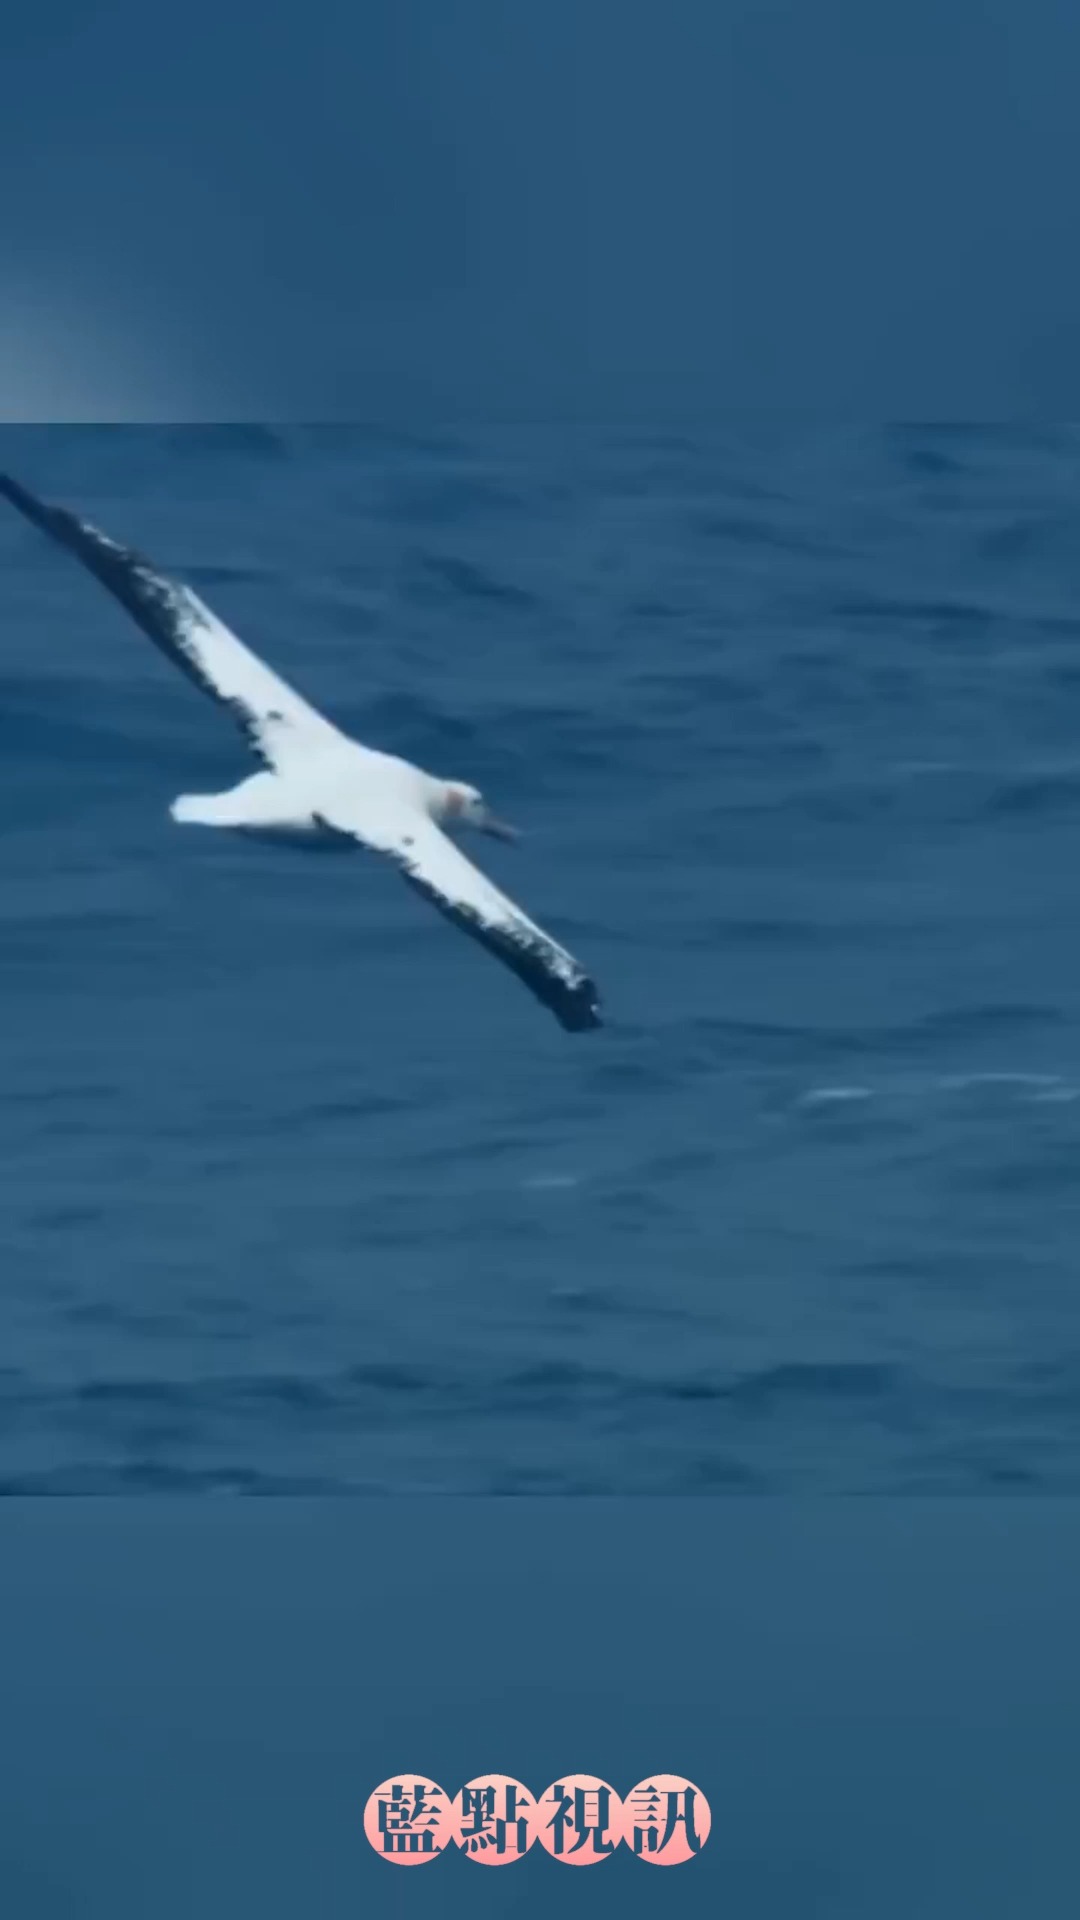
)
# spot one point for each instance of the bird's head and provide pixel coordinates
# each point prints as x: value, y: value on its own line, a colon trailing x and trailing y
x: 457, y: 805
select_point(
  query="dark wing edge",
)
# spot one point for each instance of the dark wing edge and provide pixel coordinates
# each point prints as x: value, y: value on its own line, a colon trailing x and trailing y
x: 573, y: 999
x: 158, y: 605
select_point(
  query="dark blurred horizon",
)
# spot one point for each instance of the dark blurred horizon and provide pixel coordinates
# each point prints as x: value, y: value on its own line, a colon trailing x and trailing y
x: 591, y: 210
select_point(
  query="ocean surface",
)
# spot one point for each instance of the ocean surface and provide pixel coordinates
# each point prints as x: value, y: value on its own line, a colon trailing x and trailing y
x: 300, y: 1191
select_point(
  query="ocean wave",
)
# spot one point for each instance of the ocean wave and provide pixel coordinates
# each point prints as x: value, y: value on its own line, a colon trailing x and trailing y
x: 301, y: 1193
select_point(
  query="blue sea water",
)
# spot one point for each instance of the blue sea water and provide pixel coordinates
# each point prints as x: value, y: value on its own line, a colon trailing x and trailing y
x: 301, y: 1191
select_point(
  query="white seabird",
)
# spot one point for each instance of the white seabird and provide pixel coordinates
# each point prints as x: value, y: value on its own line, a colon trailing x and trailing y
x: 317, y: 781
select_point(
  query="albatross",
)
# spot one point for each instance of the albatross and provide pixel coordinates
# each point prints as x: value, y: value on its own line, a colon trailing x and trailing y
x: 316, y: 781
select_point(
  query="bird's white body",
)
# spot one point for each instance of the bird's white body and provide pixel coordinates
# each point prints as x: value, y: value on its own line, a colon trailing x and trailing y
x: 293, y: 805
x: 317, y: 786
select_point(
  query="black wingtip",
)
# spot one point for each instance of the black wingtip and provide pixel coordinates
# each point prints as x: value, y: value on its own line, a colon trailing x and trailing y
x: 577, y: 1009
x: 38, y: 512
x: 575, y: 1004
x: 18, y: 496
x: 573, y: 1001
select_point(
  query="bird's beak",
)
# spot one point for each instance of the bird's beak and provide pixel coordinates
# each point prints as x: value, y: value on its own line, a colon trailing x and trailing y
x: 497, y: 828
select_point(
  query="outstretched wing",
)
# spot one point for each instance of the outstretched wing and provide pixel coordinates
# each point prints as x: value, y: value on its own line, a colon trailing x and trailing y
x: 436, y: 868
x: 275, y: 720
